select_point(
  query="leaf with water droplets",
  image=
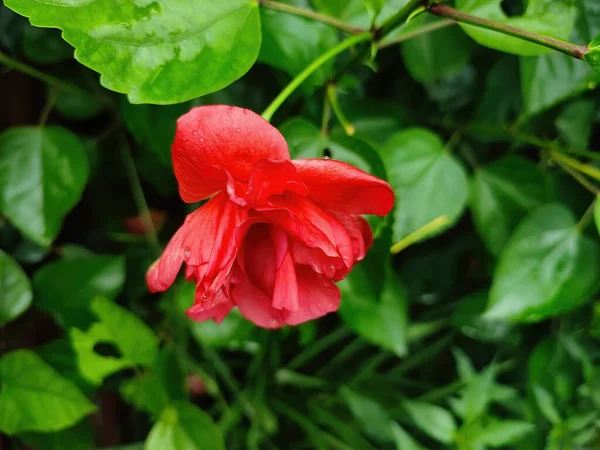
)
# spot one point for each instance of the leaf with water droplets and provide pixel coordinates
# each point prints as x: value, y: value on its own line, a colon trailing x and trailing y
x: 154, y: 51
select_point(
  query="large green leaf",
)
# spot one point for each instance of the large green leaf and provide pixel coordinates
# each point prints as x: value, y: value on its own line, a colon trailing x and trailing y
x: 154, y: 51
x: 553, y: 18
x: 431, y: 56
x: 290, y: 43
x: 429, y: 181
x: 501, y: 195
x: 548, y: 80
x: 15, y: 289
x: 35, y: 397
x: 135, y: 341
x: 66, y: 287
x: 42, y: 174
x: 184, y: 426
x: 547, y: 268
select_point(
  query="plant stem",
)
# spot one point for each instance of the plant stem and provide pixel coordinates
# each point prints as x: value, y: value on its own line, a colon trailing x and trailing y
x: 576, y: 51
x: 417, y: 235
x: 587, y: 217
x: 398, y: 19
x: 337, y: 110
x: 326, y: 116
x: 140, y: 199
x: 579, y: 178
x: 311, y: 15
x: 310, y: 69
x: 34, y: 73
x: 50, y: 100
x: 423, y: 30
x: 571, y: 162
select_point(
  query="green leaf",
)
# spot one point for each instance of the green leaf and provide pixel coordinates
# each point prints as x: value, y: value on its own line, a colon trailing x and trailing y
x: 305, y: 141
x: 352, y: 12
x: 597, y: 213
x: 232, y: 333
x: 156, y: 52
x: 477, y: 394
x: 184, y: 426
x: 42, y: 174
x: 153, y: 126
x: 433, y: 420
x: 592, y: 55
x: 290, y: 43
x: 45, y: 46
x: 374, y: 303
x: 34, y: 397
x: 547, y: 268
x: 503, y: 433
x: 553, y: 18
x: 370, y: 414
x: 429, y: 182
x: 66, y: 287
x: 575, y: 123
x: 15, y: 289
x: 135, y: 341
x: 403, y: 440
x: 431, y: 56
x: 501, y: 195
x: 546, y: 404
x: 548, y: 80
x: 374, y: 8
x: 77, y: 106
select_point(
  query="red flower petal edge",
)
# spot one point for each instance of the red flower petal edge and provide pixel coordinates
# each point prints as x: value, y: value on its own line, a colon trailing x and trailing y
x: 276, y: 234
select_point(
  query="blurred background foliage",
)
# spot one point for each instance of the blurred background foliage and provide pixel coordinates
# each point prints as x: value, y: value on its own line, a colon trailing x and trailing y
x: 481, y: 331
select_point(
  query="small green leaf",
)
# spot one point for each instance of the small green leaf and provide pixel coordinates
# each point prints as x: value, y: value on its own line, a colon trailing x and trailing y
x: 66, y: 287
x: 79, y: 437
x: 429, y: 181
x: 156, y: 52
x: 433, y: 420
x: 15, y: 289
x: 374, y: 8
x: 552, y: 18
x: 135, y: 341
x: 42, y: 174
x: 477, y: 394
x: 403, y: 440
x: 575, y: 123
x: 546, y: 404
x: 431, y: 56
x: 503, y: 433
x: 370, y: 414
x: 501, y: 195
x: 184, y: 426
x: 45, y: 46
x: 290, y: 43
x: 548, y: 267
x: 77, y: 106
x: 592, y: 56
x: 35, y: 397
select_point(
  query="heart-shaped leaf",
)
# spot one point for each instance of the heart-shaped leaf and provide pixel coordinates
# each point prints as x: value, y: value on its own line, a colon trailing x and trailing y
x: 15, y: 289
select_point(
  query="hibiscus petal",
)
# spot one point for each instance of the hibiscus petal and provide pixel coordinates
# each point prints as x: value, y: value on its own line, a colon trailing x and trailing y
x: 255, y: 305
x: 338, y: 186
x: 285, y: 290
x: 212, y: 140
x: 205, y: 242
x: 215, y: 308
x: 274, y: 178
x: 317, y: 294
x: 359, y: 231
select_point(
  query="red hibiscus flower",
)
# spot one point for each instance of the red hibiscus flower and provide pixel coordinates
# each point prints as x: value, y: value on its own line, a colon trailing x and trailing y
x: 276, y: 234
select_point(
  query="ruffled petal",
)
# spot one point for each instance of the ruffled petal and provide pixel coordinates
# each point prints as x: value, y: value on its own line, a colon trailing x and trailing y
x: 285, y: 290
x: 338, y: 186
x: 215, y: 308
x: 274, y: 178
x: 205, y: 243
x: 317, y: 294
x: 309, y: 224
x: 359, y: 231
x: 255, y: 305
x: 216, y: 140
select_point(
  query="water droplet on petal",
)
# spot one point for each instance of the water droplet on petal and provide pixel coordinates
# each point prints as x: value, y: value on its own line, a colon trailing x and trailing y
x: 237, y: 130
x: 274, y: 322
x: 204, y: 297
x: 187, y: 252
x: 202, y: 139
x: 245, y: 111
x: 331, y: 306
x: 326, y: 157
x: 195, y: 133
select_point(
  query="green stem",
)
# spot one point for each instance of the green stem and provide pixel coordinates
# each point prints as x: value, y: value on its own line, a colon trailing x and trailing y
x: 302, y: 12
x: 310, y: 69
x: 587, y: 217
x: 337, y: 110
x: 34, y: 73
x: 398, y: 19
x: 579, y: 178
x: 590, y: 171
x: 423, y: 30
x: 50, y: 100
x: 417, y: 235
x: 140, y: 200
x: 320, y: 346
x: 576, y: 51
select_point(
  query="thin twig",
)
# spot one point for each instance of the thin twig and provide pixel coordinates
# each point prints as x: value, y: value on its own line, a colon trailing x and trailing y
x: 423, y: 30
